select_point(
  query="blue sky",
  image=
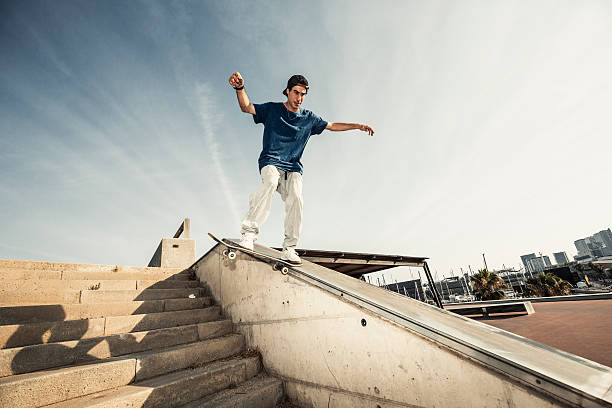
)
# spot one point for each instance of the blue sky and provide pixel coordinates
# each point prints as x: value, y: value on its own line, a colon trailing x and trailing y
x: 492, y: 125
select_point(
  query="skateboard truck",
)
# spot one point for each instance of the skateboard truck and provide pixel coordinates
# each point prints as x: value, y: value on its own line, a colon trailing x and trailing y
x: 231, y: 255
x: 282, y: 268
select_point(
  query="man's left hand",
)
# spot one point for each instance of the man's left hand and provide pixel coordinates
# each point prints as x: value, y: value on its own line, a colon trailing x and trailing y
x: 366, y: 128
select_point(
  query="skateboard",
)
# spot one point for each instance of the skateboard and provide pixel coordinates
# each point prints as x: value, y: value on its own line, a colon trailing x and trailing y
x: 231, y: 248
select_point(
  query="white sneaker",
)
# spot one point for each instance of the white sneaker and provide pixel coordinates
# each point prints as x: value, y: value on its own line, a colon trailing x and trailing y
x: 246, y: 242
x: 291, y: 256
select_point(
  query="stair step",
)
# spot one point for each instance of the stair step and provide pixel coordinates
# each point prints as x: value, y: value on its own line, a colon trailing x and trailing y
x: 53, y: 386
x: 258, y: 392
x: 19, y: 360
x: 20, y: 335
x: 33, y: 274
x: 99, y: 296
x: 35, y: 285
x: 18, y: 297
x: 11, y: 315
x: 64, y: 266
x: 174, y: 389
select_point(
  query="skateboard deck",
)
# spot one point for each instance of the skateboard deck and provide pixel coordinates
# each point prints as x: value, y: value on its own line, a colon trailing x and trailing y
x: 231, y: 248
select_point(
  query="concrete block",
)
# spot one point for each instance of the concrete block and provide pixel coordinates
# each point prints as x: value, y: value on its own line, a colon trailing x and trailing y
x: 214, y: 329
x: 27, y: 359
x: 174, y: 252
x: 48, y: 387
x: 261, y: 391
x: 127, y: 324
x: 50, y: 332
x: 190, y: 355
x: 51, y: 313
x: 100, y: 296
x: 23, y: 298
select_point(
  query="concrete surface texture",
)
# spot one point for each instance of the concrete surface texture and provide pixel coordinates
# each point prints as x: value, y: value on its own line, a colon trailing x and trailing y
x: 174, y: 253
x: 336, y: 341
x: 75, y: 335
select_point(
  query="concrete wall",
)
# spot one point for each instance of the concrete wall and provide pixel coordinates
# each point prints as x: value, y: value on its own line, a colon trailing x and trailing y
x: 340, y: 342
x: 174, y: 253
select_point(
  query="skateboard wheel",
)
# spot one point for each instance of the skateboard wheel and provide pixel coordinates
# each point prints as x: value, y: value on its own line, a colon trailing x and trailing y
x: 284, y: 270
x: 225, y: 251
x: 231, y: 255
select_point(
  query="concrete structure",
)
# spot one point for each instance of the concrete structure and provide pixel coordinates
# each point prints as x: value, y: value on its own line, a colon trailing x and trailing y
x: 74, y: 335
x: 336, y: 341
x: 561, y: 258
x: 175, y: 252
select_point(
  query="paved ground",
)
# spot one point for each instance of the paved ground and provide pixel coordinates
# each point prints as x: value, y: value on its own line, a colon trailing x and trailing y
x: 581, y: 327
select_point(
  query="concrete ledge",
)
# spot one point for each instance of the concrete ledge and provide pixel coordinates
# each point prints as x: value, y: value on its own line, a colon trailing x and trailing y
x: 190, y: 355
x: 78, y: 275
x: 27, y: 359
x: 65, y: 266
x: 318, y: 326
x: 35, y: 285
x: 493, y: 309
x: 100, y: 296
x: 67, y: 296
x: 169, y: 390
x: 11, y: 315
x: 133, y: 323
x: 28, y: 390
x: 53, y: 386
x: 52, y: 332
x: 261, y: 391
x: 49, y: 332
x: 40, y: 297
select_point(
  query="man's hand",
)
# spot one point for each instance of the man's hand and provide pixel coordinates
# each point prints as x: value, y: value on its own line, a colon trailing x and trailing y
x: 236, y: 80
x: 366, y: 128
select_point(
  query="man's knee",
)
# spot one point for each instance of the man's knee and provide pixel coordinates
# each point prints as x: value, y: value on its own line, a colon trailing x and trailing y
x: 270, y: 176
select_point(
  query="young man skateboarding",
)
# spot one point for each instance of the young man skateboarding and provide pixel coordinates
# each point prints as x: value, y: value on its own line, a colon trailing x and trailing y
x: 287, y: 128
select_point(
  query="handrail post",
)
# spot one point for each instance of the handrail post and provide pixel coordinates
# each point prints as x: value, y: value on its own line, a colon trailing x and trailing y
x: 183, y: 229
x: 432, y: 285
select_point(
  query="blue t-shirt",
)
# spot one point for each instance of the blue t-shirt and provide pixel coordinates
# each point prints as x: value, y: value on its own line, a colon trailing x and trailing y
x: 285, y: 134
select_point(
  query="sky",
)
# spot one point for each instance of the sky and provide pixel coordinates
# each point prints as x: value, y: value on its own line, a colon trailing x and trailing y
x: 493, y: 131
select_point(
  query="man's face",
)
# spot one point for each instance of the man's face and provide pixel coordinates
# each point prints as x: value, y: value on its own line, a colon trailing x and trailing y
x: 295, y: 96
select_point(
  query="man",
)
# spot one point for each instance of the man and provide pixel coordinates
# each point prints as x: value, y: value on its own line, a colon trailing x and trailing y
x: 287, y: 128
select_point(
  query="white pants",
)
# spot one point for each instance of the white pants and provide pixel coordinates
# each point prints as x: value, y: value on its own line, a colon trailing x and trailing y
x: 289, y: 185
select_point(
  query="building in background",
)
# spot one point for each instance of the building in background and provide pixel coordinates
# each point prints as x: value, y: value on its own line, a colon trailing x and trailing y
x: 560, y: 258
x: 525, y: 259
x: 596, y: 246
x: 412, y: 288
x: 535, y: 264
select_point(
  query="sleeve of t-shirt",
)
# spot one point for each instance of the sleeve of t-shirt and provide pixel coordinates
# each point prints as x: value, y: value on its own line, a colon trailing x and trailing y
x: 318, y: 125
x: 261, y: 112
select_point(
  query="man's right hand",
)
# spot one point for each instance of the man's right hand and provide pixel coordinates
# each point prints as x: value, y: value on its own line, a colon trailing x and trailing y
x: 236, y: 80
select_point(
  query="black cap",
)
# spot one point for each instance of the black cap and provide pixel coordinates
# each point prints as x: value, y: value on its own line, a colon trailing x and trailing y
x: 296, y: 80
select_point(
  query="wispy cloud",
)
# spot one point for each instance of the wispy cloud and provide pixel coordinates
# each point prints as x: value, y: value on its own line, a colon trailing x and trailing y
x: 209, y: 120
x: 177, y: 21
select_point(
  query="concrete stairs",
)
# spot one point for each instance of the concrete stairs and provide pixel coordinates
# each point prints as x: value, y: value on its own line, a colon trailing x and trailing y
x: 75, y: 335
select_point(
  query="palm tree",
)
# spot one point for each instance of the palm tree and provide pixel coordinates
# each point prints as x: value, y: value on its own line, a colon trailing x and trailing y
x: 547, y: 284
x: 487, y: 285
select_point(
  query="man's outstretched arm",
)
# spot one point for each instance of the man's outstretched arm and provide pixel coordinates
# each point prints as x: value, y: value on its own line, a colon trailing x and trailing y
x: 237, y: 82
x: 339, y: 126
